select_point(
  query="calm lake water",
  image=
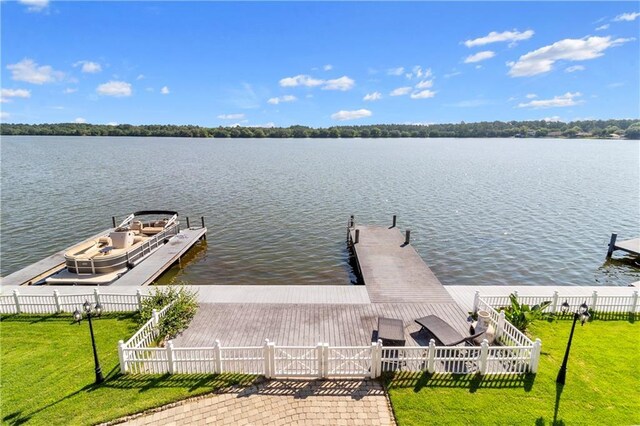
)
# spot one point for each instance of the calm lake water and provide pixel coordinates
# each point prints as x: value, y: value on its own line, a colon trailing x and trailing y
x: 496, y: 211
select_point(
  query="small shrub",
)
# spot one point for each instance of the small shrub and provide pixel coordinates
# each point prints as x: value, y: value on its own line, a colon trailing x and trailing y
x: 521, y: 315
x: 177, y: 317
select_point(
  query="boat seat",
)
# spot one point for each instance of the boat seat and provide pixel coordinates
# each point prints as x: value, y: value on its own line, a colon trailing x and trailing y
x: 152, y: 230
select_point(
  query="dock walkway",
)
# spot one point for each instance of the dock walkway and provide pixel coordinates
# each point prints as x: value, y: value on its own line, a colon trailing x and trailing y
x: 629, y: 246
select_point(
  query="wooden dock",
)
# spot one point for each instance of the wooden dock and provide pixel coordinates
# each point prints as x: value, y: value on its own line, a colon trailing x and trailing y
x: 143, y: 274
x: 628, y: 246
x: 41, y: 269
x: 162, y: 259
x: 397, y: 282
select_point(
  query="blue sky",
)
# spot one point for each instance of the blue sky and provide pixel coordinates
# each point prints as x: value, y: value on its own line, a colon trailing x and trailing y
x: 317, y: 64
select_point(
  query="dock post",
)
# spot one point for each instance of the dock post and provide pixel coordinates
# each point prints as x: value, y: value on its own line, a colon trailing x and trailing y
x: 394, y: 221
x: 357, y: 237
x: 202, y: 220
x: 188, y: 226
x: 351, y: 221
x: 612, y: 245
x: 407, y: 236
x: 113, y: 220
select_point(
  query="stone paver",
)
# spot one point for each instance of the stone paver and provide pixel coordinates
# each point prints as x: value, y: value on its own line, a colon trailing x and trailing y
x: 281, y: 402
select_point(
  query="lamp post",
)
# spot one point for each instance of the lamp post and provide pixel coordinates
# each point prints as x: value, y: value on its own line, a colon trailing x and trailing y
x: 583, y: 314
x: 90, y: 311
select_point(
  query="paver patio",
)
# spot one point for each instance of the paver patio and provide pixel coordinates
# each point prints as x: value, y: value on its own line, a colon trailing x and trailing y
x: 281, y: 402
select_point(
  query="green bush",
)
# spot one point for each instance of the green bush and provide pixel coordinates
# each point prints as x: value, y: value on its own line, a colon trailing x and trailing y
x: 177, y: 317
x: 521, y: 315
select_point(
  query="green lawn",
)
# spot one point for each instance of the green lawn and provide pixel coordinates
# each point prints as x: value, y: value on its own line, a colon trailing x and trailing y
x: 47, y: 373
x: 602, y: 384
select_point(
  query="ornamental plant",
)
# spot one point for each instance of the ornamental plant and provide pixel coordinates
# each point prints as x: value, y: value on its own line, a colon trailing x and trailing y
x: 521, y: 314
x: 177, y: 317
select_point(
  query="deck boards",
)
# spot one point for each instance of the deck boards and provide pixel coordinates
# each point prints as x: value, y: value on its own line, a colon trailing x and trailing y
x: 630, y: 246
x: 394, y: 272
x: 153, y: 266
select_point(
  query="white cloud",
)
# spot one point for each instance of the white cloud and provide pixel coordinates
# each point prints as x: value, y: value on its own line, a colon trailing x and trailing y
x: 630, y: 16
x: 494, y: 37
x: 89, y: 67
x: 554, y: 119
x: 140, y: 77
x: 480, y: 56
x: 423, y: 94
x: 5, y: 94
x: 4, y: 115
x: 69, y: 90
x: 396, y: 71
x: 300, y: 80
x: 29, y: 71
x: 343, y: 84
x: 281, y: 99
x: 452, y: 74
x: 165, y: 90
x: 541, y: 60
x: 372, y: 96
x: 418, y: 72
x: 35, y: 5
x: 327, y: 67
x: 531, y: 96
x: 400, y: 91
x: 80, y: 120
x: 575, y: 68
x: 112, y: 123
x: 424, y: 84
x: 566, y: 100
x: 231, y: 116
x: 602, y: 27
x: 469, y: 103
x: 118, y: 89
x: 351, y: 115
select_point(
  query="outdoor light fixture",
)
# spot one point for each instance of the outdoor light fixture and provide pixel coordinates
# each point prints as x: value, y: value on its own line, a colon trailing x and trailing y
x: 91, y: 311
x: 583, y: 314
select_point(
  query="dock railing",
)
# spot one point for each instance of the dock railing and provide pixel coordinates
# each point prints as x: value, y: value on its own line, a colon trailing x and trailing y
x: 57, y: 303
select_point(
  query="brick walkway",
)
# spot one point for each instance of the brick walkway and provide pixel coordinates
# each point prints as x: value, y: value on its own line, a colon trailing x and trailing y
x: 282, y: 402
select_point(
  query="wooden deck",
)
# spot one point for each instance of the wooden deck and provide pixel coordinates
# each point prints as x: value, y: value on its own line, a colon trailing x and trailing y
x: 249, y: 324
x: 630, y: 246
x: 392, y: 271
x: 159, y: 261
x: 41, y: 269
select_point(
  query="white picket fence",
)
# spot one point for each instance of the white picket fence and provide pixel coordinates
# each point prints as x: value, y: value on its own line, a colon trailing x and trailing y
x: 56, y: 303
x: 596, y: 303
x: 516, y: 355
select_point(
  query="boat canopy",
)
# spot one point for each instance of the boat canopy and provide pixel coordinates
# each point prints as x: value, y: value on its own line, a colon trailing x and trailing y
x: 127, y: 221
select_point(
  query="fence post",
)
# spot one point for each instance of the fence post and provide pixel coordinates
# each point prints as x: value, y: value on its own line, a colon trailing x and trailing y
x: 319, y: 350
x: 431, y: 363
x: 476, y: 301
x: 16, y: 299
x: 56, y: 298
x: 139, y: 297
x: 484, y: 356
x: 554, y: 302
x: 267, y: 360
x: 594, y: 300
x: 217, y: 357
x: 121, y: 356
x: 374, y: 360
x: 634, y: 302
x: 96, y: 296
x: 325, y: 360
x: 535, y: 356
x: 500, y: 326
x: 172, y: 366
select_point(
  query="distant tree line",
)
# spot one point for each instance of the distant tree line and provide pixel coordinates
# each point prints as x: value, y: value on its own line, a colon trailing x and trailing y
x: 629, y: 129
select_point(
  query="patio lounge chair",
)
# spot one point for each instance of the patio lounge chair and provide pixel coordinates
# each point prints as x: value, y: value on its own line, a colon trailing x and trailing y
x: 443, y: 332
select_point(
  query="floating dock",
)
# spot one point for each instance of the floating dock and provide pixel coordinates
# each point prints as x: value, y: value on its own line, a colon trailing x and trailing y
x: 142, y: 274
x: 628, y: 246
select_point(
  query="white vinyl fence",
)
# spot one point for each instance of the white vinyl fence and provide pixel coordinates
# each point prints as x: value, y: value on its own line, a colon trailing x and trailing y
x: 56, y: 303
x: 516, y: 354
x: 596, y: 303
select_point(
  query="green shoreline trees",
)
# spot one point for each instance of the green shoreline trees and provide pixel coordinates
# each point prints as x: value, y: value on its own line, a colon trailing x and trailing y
x: 626, y: 128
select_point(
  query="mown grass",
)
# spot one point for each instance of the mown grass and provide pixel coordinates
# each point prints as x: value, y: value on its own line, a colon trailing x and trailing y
x: 602, y: 384
x: 47, y: 373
